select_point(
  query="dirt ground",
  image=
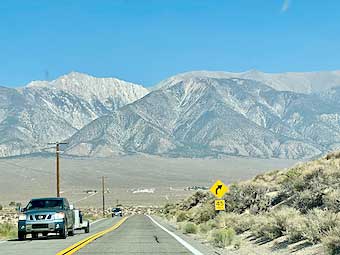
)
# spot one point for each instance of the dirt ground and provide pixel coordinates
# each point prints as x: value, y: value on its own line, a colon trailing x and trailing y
x: 129, y: 180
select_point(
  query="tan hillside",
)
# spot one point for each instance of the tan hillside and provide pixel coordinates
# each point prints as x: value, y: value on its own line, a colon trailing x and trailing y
x: 296, y: 210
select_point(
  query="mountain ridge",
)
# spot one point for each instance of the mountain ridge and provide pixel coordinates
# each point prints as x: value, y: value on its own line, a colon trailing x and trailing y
x: 300, y: 82
x: 188, y: 115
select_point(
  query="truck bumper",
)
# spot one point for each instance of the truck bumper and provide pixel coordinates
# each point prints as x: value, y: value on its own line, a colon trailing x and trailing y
x: 40, y: 227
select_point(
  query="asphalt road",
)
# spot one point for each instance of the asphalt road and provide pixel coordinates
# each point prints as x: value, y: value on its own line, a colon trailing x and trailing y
x: 52, y: 244
x: 138, y: 235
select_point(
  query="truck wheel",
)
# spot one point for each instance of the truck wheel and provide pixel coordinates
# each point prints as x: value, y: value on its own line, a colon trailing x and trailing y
x: 63, y: 233
x: 71, y: 232
x: 34, y: 235
x: 21, y: 236
x: 87, y: 229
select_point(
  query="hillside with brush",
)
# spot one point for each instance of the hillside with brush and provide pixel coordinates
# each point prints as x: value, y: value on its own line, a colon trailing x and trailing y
x: 294, y: 211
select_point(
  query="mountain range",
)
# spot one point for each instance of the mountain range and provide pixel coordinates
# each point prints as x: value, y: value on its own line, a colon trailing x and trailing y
x: 195, y: 114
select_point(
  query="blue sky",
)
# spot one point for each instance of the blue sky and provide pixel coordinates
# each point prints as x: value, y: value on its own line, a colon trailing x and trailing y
x: 147, y: 41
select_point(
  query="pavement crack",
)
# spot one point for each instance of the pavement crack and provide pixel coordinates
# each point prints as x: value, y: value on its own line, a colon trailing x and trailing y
x: 156, y: 239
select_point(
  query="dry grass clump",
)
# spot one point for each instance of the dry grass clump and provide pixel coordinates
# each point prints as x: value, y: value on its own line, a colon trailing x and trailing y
x: 331, y: 241
x: 7, y: 230
x: 190, y: 228
x: 223, y: 237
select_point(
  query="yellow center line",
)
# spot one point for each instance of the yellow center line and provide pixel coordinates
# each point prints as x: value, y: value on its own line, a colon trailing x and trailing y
x: 77, y: 246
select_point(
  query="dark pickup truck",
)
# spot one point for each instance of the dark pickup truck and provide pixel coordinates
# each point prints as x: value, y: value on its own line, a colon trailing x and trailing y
x: 46, y: 215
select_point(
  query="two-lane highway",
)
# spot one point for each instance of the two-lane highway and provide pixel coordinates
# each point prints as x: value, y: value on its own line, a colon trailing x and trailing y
x: 138, y: 234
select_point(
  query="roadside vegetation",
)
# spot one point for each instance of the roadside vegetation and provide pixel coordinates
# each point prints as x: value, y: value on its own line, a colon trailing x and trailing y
x: 7, y: 230
x: 302, y: 204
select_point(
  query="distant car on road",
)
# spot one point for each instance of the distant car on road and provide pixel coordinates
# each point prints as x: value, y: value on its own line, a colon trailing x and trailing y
x: 117, y: 212
x: 46, y: 215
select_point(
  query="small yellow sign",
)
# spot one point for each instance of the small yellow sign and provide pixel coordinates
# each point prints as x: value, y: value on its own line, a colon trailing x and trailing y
x: 219, y: 205
x: 219, y: 189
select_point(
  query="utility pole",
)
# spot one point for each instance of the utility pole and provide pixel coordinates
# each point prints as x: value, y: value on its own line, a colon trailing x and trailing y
x: 57, y: 166
x: 103, y: 193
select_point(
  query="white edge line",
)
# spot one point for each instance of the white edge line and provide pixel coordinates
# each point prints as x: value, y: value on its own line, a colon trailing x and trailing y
x: 96, y: 221
x: 3, y: 242
x: 180, y: 240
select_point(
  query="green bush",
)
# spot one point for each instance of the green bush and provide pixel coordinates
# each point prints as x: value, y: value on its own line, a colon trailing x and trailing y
x: 239, y: 222
x: 204, y: 214
x: 274, y: 224
x: 332, y: 200
x: 182, y: 216
x: 223, y: 237
x: 266, y: 227
x: 190, y: 228
x: 295, y: 228
x: 7, y: 230
x: 308, y: 199
x: 12, y: 203
x: 318, y: 223
x: 1, y: 207
x: 331, y: 241
x: 242, y: 197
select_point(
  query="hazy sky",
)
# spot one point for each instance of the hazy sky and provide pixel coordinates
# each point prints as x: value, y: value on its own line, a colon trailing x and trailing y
x: 147, y: 41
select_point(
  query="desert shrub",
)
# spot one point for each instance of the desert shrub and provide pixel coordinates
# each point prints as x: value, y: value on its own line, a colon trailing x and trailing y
x: 12, y: 203
x: 318, y: 223
x: 308, y: 199
x: 169, y: 209
x: 274, y: 224
x: 266, y: 227
x: 333, y: 155
x: 223, y: 237
x: 204, y: 214
x: 212, y: 223
x: 238, y: 222
x: 204, y: 228
x: 332, y: 200
x: 199, y: 197
x: 295, y: 228
x: 247, y: 196
x: 190, y: 228
x: 181, y: 216
x: 7, y: 230
x: 331, y: 241
x: 1, y: 207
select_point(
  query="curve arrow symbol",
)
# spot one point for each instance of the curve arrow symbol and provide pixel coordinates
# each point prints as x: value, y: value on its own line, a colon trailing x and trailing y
x: 219, y: 187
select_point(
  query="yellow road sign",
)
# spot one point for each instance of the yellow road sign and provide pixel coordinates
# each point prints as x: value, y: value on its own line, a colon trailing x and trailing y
x: 219, y: 189
x: 219, y: 205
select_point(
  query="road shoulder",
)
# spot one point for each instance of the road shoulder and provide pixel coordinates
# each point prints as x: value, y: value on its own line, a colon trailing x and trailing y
x: 192, y: 240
